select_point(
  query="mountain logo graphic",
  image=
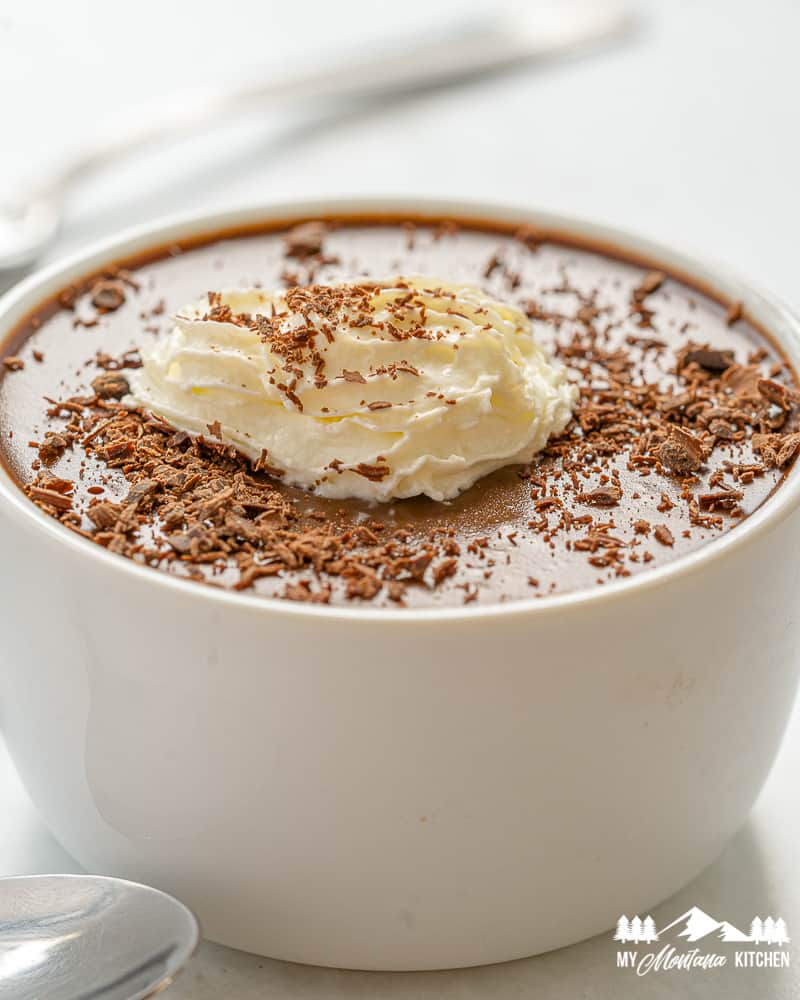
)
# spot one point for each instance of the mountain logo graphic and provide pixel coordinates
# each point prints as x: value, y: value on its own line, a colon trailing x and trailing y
x: 696, y: 924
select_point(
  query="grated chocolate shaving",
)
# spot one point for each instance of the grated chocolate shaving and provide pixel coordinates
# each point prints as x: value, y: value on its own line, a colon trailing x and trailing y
x: 306, y: 239
x: 107, y: 296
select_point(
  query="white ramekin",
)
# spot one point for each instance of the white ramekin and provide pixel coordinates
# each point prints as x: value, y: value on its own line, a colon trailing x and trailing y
x: 398, y: 789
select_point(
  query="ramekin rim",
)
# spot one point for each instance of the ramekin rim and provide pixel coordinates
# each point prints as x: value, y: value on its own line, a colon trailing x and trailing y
x: 193, y: 225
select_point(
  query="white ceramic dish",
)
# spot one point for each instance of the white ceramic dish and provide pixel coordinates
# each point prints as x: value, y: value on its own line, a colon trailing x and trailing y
x: 398, y: 790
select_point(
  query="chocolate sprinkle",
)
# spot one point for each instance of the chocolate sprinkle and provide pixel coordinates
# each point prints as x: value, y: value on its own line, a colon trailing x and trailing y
x: 108, y: 296
x: 110, y: 386
x: 305, y: 240
x: 681, y: 451
x: 663, y: 535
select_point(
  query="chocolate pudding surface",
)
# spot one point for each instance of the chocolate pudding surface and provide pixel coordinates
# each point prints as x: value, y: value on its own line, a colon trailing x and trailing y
x: 687, y: 421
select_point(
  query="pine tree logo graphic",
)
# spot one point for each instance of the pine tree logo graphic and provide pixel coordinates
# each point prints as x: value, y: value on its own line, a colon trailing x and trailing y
x: 636, y: 930
x: 769, y: 931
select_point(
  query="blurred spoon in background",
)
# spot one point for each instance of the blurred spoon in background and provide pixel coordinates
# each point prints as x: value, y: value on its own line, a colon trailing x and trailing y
x: 89, y: 937
x: 508, y: 38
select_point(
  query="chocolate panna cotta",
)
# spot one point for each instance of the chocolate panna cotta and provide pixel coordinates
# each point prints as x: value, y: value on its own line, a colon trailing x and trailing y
x: 684, y: 415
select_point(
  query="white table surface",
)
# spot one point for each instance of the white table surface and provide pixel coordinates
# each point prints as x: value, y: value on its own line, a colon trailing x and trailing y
x: 688, y: 134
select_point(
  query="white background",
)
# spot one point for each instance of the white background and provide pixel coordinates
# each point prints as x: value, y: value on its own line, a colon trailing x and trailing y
x: 687, y: 133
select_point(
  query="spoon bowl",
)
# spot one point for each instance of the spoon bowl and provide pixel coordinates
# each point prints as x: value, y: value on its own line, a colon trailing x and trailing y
x: 75, y: 937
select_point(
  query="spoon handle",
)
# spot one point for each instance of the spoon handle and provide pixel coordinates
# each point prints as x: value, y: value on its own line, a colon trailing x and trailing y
x: 505, y: 39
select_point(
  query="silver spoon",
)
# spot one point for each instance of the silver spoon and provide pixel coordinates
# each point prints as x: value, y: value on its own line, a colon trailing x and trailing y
x: 30, y: 220
x: 88, y: 937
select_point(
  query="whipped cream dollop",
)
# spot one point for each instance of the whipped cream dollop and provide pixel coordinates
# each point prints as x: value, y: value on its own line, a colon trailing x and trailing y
x: 377, y: 390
